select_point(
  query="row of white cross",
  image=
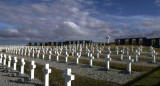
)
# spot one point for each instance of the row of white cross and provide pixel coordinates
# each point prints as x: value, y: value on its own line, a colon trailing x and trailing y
x: 91, y: 57
x: 73, y: 50
x: 66, y: 75
x: 136, y: 53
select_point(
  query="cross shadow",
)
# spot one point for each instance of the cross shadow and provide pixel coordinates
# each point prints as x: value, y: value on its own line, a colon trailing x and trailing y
x: 149, y: 62
x: 16, y: 75
x: 102, y: 69
x: 123, y: 72
x: 86, y: 66
x: 73, y: 64
x: 19, y: 81
x: 61, y: 62
x: 53, y: 60
x: 2, y: 70
x: 152, y: 63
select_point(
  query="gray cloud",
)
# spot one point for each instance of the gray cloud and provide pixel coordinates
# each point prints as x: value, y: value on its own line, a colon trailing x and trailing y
x: 66, y: 20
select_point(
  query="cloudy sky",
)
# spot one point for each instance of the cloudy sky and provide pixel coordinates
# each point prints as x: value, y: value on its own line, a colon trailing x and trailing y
x: 59, y: 20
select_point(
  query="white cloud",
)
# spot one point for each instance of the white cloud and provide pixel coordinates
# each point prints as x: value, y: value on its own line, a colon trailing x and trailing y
x: 74, y: 27
x: 68, y: 19
x: 157, y: 2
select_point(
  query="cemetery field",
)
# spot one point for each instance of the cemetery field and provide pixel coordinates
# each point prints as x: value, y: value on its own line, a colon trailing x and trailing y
x: 57, y: 80
x: 143, y: 72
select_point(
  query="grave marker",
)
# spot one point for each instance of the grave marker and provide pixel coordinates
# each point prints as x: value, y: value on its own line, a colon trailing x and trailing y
x: 9, y: 61
x: 4, y: 60
x: 32, y: 67
x: 1, y: 58
x: 127, y: 49
x: 68, y: 77
x: 57, y: 56
x: 77, y: 58
x: 107, y: 59
x: 22, y: 65
x: 14, y: 63
x: 132, y: 48
x: 136, y: 55
x: 66, y: 57
x: 46, y: 71
x: 121, y: 53
x: 50, y: 54
x: 129, y: 61
x: 154, y: 56
x: 90, y: 60
x: 116, y: 50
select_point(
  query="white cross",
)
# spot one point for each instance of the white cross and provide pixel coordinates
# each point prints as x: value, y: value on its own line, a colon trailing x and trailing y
x: 22, y: 65
x: 116, y: 50
x: 68, y: 77
x: 25, y: 52
x: 22, y: 52
x: 50, y: 54
x: 4, y: 59
x: 66, y: 57
x: 93, y: 50
x: 9, y: 61
x: 127, y: 51
x: 109, y: 52
x: 154, y: 56
x: 16, y: 51
x: 66, y: 51
x: 141, y: 48
x: 136, y: 55
x: 1, y: 58
x: 46, y: 71
x: 139, y: 51
x: 129, y: 61
x: 132, y: 48
x: 14, y: 63
x: 80, y: 50
x: 32, y: 67
x: 107, y: 59
x: 72, y: 52
x: 57, y: 56
x: 38, y: 53
x: 43, y: 55
x: 90, y: 60
x: 33, y: 53
x: 77, y: 58
x: 88, y: 53
x: 86, y: 49
x: 19, y: 51
x: 29, y: 52
x: 98, y: 53
x: 121, y: 52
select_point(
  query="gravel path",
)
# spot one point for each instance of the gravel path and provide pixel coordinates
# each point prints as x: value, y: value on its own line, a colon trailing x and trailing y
x: 113, y: 75
x: 7, y: 80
